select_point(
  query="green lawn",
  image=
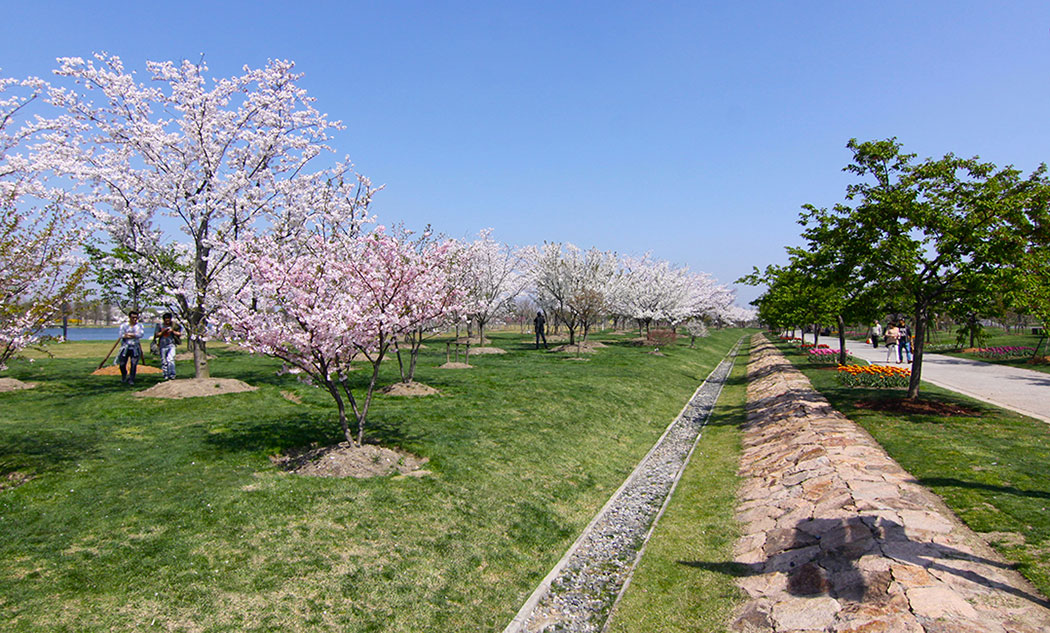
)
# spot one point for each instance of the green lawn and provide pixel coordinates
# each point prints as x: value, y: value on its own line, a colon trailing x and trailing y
x: 685, y: 581
x: 989, y: 468
x: 169, y: 514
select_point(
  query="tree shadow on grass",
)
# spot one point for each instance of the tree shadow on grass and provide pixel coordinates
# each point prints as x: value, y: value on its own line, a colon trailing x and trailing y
x: 973, y: 485
x: 41, y: 451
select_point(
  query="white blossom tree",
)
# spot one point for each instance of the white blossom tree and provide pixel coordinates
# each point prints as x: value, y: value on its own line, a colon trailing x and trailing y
x: 575, y: 285
x: 492, y: 277
x: 221, y: 159
x: 39, y: 235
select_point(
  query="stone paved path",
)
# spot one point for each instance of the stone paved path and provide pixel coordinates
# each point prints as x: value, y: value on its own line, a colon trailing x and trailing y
x: 838, y: 537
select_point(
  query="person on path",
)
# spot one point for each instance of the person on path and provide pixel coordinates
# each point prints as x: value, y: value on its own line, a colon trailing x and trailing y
x: 167, y: 335
x: 876, y: 334
x: 130, y: 347
x: 893, y: 334
x: 538, y: 323
x: 904, y: 343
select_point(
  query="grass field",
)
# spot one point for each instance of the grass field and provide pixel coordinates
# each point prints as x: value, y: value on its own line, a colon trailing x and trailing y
x: 990, y: 468
x: 685, y: 581
x: 168, y: 514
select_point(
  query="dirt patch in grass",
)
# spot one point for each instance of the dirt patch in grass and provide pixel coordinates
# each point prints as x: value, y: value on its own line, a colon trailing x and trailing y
x: 291, y: 397
x: 13, y: 479
x: 13, y: 384
x: 1039, y: 360
x: 195, y: 388
x: 923, y: 407
x: 347, y: 460
x: 587, y: 347
x: 409, y: 389
x: 454, y: 365
x: 487, y: 350
x: 114, y: 370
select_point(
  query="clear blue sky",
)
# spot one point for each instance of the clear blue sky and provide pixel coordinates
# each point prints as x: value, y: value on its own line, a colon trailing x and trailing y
x: 694, y: 130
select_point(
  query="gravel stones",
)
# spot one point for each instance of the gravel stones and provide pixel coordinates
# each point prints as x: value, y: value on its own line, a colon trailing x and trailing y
x: 838, y: 537
x: 580, y: 592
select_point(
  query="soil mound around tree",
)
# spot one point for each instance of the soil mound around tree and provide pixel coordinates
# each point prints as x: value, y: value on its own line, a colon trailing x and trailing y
x: 923, y: 407
x: 347, y: 460
x: 587, y: 347
x: 409, y: 389
x: 13, y: 384
x: 455, y: 365
x: 195, y: 388
x: 114, y: 370
x: 487, y: 350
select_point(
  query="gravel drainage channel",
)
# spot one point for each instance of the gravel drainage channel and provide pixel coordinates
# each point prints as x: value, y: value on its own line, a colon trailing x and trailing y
x: 580, y: 592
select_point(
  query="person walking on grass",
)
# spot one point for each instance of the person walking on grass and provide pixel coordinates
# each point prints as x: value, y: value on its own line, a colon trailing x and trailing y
x: 893, y: 334
x: 168, y: 336
x: 130, y: 347
x: 538, y: 324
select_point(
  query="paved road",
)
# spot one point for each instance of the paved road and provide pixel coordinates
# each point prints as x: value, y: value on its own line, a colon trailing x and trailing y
x: 1023, y: 390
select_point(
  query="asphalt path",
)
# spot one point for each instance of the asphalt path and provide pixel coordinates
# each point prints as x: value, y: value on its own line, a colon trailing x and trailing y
x: 1022, y: 390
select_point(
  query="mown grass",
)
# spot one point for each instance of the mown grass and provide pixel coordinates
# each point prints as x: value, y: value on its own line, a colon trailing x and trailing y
x: 685, y: 581
x: 169, y: 514
x: 990, y: 468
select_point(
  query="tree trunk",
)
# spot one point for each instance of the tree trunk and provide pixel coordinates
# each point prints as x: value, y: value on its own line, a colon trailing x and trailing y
x: 916, y: 358
x: 341, y: 406
x: 842, y: 339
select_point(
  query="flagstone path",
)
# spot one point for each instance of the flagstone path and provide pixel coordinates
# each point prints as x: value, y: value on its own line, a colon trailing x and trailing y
x: 839, y: 538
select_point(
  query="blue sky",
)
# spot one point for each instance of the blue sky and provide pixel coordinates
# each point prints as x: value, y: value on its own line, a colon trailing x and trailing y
x: 691, y: 130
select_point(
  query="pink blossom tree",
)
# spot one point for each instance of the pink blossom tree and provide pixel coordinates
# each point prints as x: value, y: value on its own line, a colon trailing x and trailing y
x: 223, y: 160
x: 39, y: 270
x: 317, y: 303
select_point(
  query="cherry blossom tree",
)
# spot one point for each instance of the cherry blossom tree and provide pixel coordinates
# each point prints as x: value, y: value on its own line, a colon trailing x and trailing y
x: 492, y: 278
x: 222, y: 159
x: 39, y: 270
x: 575, y: 285
x: 653, y: 290
x: 317, y: 303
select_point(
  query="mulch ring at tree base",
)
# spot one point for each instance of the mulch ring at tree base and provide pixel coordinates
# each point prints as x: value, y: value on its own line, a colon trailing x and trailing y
x: 347, y: 460
x: 486, y: 350
x: 922, y: 407
x: 455, y: 365
x: 587, y: 347
x: 195, y: 388
x: 13, y: 384
x: 408, y: 389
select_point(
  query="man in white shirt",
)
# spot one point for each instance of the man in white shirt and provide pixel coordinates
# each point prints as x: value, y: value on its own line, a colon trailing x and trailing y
x: 130, y: 347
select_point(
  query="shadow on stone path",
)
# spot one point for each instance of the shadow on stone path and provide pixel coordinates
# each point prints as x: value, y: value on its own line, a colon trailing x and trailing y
x: 838, y: 537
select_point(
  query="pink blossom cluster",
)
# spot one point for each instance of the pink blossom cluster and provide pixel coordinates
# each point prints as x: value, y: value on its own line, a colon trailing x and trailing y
x: 319, y: 302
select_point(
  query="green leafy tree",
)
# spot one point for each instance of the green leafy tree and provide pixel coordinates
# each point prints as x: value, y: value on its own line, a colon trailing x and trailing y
x: 935, y: 232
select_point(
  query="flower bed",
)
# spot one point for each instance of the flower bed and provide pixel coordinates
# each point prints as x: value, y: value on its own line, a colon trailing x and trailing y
x: 1011, y: 351
x: 824, y: 355
x: 874, y: 376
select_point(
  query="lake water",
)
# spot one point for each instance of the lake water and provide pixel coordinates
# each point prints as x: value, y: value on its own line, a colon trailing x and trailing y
x: 87, y: 333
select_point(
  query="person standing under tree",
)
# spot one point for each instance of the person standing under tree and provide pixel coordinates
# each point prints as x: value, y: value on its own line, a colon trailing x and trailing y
x: 892, y: 336
x: 538, y: 323
x: 904, y: 343
x: 876, y: 334
x: 168, y: 336
x: 130, y: 347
